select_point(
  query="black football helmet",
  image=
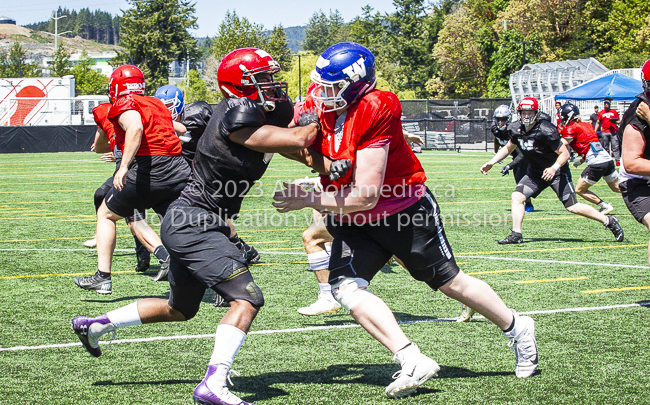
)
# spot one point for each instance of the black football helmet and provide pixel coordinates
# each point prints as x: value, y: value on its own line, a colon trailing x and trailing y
x: 568, y: 113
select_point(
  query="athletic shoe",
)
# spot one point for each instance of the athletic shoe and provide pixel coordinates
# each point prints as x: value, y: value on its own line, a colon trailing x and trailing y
x: 514, y: 237
x: 413, y: 374
x: 606, y: 208
x: 466, y: 313
x: 91, y: 243
x: 219, y: 301
x: 89, y: 331
x: 324, y: 305
x: 142, y: 265
x: 525, y: 347
x: 616, y: 228
x: 219, y: 395
x: 529, y: 208
x: 162, y: 273
x: 95, y: 282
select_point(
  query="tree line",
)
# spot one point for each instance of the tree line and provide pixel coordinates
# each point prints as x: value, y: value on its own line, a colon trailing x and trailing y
x: 99, y: 26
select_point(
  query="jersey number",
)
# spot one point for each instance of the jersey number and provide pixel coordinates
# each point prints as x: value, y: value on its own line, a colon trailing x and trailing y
x: 527, y: 145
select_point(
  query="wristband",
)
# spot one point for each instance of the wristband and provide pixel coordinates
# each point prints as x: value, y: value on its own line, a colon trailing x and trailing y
x: 556, y: 166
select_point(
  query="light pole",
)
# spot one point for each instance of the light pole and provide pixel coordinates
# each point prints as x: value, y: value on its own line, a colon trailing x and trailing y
x: 299, y: 76
x: 56, y: 30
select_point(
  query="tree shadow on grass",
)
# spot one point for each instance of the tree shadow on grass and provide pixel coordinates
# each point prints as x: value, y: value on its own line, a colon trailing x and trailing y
x: 262, y: 387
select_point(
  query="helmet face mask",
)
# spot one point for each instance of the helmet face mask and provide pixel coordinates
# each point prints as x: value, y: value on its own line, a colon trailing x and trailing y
x: 242, y: 73
x: 343, y: 74
x: 126, y: 79
x: 172, y: 97
x: 502, y: 116
x: 528, y: 111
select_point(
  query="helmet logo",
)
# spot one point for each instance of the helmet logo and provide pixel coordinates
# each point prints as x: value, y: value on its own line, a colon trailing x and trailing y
x: 356, y: 71
x: 322, y: 62
x: 135, y: 86
x: 262, y: 53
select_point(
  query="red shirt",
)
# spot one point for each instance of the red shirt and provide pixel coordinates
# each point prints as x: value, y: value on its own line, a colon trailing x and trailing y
x: 158, y: 137
x: 583, y: 135
x: 605, y: 124
x: 100, y: 113
x: 372, y: 121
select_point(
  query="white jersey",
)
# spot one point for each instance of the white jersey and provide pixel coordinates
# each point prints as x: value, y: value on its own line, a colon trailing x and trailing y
x: 624, y: 176
x: 597, y: 154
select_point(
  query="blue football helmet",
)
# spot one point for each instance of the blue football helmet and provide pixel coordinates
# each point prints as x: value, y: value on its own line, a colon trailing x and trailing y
x: 343, y: 74
x: 172, y: 97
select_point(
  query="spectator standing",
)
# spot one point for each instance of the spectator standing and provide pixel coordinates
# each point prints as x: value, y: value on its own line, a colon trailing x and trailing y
x: 593, y: 118
x: 607, y: 121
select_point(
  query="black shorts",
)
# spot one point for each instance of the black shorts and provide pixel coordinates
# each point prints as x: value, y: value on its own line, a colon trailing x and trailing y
x: 593, y: 173
x: 532, y: 185
x: 520, y: 170
x: 202, y: 256
x: 636, y: 194
x: 414, y: 235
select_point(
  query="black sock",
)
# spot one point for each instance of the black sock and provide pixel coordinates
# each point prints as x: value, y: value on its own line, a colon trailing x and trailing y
x: 103, y: 274
x: 511, y: 327
x: 161, y: 253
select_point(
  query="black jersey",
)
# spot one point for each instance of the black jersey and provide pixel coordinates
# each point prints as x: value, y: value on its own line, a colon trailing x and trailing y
x: 501, y: 135
x: 195, y: 117
x: 630, y: 117
x: 224, y: 171
x: 537, y: 145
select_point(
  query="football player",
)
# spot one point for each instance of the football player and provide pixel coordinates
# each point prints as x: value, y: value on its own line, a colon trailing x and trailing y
x: 634, y: 176
x: 246, y: 129
x: 151, y: 174
x: 583, y: 139
x: 519, y: 166
x: 381, y: 208
x: 542, y: 146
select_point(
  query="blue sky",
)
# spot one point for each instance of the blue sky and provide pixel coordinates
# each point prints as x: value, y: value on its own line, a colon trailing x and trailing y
x: 210, y: 13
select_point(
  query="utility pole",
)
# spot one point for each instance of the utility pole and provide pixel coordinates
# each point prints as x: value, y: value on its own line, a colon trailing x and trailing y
x: 505, y: 24
x: 56, y: 30
x: 523, y: 59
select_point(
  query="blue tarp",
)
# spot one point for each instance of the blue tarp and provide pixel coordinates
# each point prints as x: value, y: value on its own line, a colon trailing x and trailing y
x: 615, y: 86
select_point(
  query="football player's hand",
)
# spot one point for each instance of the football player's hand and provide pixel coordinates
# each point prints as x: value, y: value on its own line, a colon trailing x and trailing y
x: 577, y: 162
x: 309, y: 117
x: 505, y: 170
x: 643, y: 111
x: 548, y: 174
x: 486, y: 168
x: 339, y: 168
x: 108, y: 157
x: 412, y: 138
x: 119, y: 178
x: 292, y: 198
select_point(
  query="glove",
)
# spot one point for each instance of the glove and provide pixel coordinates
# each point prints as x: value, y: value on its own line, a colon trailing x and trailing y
x: 339, y: 168
x: 505, y: 170
x: 308, y: 117
x: 577, y: 162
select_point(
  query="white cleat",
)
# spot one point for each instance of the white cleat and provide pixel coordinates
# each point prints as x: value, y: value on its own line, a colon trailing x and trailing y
x: 466, y: 313
x: 606, y: 209
x: 91, y: 243
x: 525, y: 347
x: 418, y: 369
x: 324, y: 305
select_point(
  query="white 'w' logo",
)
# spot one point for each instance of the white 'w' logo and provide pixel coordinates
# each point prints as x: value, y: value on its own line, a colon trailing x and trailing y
x: 356, y: 71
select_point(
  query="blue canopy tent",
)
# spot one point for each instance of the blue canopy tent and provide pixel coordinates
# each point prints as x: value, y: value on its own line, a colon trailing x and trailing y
x: 616, y: 86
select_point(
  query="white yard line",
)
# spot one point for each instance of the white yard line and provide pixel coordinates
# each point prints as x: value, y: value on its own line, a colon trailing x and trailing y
x: 517, y: 259
x: 313, y: 328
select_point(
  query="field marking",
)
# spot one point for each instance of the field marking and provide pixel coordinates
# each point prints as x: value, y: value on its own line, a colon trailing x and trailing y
x: 551, y: 280
x: 515, y: 259
x: 494, y: 271
x: 548, y: 250
x: 615, y: 289
x: 310, y: 328
x: 46, y: 239
x: 96, y: 174
x: 60, y: 275
x: 46, y: 191
x: 4, y: 205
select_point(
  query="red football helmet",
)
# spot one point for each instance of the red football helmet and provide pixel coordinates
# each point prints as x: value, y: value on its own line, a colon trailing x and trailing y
x: 645, y: 78
x: 126, y: 79
x: 528, y: 104
x: 236, y: 77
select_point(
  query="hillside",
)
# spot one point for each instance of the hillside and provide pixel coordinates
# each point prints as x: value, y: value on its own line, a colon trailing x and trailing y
x: 39, y: 44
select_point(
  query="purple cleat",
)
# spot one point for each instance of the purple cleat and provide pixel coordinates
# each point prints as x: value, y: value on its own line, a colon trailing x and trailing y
x: 217, y: 392
x: 89, y: 331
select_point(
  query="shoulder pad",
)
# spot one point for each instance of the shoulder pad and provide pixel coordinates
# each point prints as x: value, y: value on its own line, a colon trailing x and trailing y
x: 547, y: 128
x: 196, y: 114
x: 282, y: 115
x: 545, y: 117
x: 643, y: 97
x: 514, y: 128
x: 241, y: 113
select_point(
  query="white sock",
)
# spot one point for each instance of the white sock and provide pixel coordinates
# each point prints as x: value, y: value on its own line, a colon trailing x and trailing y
x: 227, y: 342
x: 402, y: 355
x: 326, y: 290
x: 606, y: 221
x: 319, y: 260
x: 125, y: 316
x: 602, y: 204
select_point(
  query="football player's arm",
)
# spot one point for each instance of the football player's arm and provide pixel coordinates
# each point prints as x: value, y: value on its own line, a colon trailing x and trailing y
x: 500, y: 155
x: 131, y: 122
x: 101, y: 143
x: 643, y: 111
x: 412, y: 138
x: 272, y: 139
x: 369, y: 173
x: 180, y: 129
x: 598, y: 122
x: 562, y: 158
x: 516, y: 160
x: 496, y: 145
x: 632, y: 151
x: 311, y: 158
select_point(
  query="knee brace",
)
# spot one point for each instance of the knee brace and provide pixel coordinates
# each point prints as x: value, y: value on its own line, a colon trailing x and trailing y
x: 351, y: 291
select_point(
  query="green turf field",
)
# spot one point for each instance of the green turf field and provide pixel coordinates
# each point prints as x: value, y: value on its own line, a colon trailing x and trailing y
x: 582, y: 288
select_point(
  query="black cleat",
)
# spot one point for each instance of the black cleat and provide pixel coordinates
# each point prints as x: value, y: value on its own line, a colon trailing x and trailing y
x: 251, y: 255
x: 219, y: 301
x: 142, y: 265
x: 616, y: 228
x: 95, y: 283
x: 514, y: 237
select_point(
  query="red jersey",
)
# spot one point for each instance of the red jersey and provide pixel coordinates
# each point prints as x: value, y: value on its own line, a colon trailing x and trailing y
x: 372, y: 120
x: 583, y: 135
x: 605, y: 117
x: 158, y: 136
x: 100, y: 113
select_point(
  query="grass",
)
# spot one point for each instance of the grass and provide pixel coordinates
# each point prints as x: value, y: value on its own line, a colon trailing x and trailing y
x: 592, y: 356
